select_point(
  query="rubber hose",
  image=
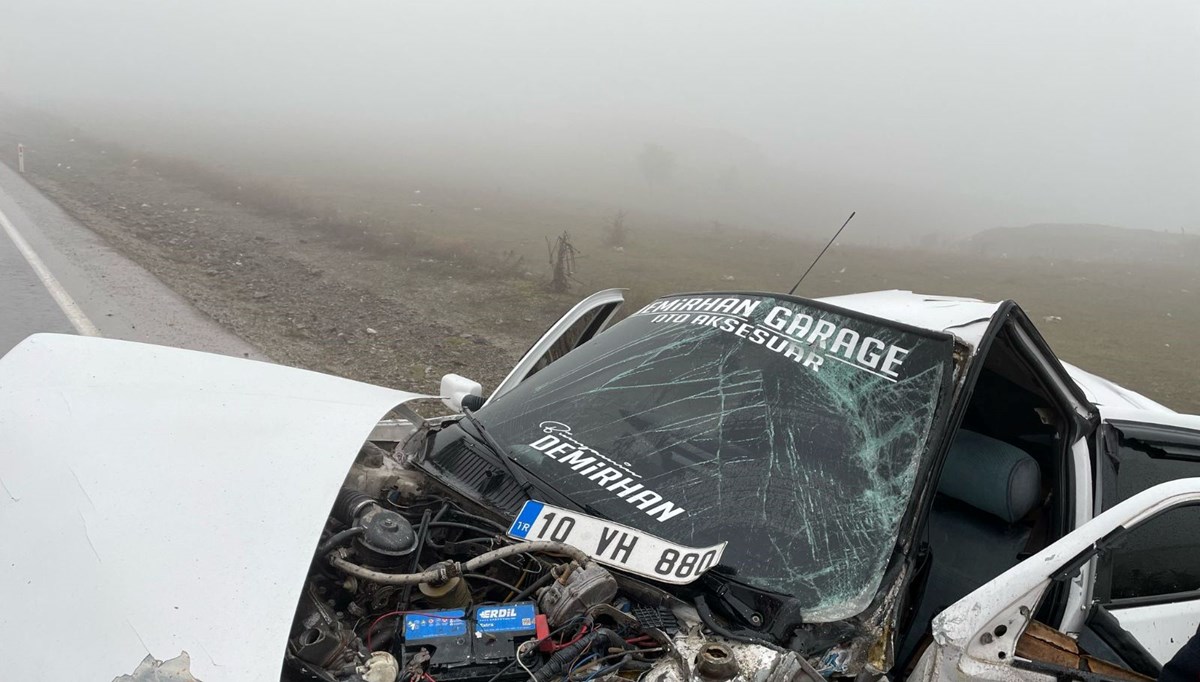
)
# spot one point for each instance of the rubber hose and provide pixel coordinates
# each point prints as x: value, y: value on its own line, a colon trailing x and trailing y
x: 530, y: 589
x: 338, y: 539
x: 349, y: 503
x: 449, y: 569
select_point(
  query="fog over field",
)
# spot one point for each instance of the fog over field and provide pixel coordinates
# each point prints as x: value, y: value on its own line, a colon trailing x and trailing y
x: 944, y: 117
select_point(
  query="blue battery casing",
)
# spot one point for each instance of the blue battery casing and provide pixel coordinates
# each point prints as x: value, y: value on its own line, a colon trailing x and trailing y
x: 428, y: 625
x: 459, y: 641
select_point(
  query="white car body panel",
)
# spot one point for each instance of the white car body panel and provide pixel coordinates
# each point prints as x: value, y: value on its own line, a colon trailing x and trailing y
x: 965, y: 318
x: 1165, y: 418
x: 1105, y: 394
x: 1157, y: 626
x: 968, y: 320
x: 157, y: 500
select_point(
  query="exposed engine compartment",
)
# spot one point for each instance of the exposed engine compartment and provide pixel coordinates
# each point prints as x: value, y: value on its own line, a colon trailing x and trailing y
x: 412, y: 583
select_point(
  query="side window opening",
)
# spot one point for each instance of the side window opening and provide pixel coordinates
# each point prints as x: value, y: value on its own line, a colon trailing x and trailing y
x: 580, y: 332
x: 1001, y: 490
x: 1161, y: 557
x: 1147, y: 589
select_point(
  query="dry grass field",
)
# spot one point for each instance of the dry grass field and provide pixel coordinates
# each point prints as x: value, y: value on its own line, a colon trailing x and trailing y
x: 452, y: 278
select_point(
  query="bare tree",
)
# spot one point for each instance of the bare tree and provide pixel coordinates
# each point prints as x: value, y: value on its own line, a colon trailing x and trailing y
x: 562, y: 263
x: 616, y: 233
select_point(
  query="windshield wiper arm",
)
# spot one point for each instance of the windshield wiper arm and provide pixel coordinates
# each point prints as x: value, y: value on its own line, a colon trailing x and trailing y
x: 737, y: 599
x: 497, y: 450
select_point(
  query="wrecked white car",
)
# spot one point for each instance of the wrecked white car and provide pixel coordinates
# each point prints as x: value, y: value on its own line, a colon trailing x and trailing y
x: 723, y: 486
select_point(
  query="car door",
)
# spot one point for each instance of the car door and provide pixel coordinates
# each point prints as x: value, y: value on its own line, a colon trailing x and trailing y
x: 579, y: 325
x: 991, y: 635
x: 1150, y: 582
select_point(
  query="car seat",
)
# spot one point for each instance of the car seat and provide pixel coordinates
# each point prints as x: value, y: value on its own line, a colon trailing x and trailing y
x: 977, y: 528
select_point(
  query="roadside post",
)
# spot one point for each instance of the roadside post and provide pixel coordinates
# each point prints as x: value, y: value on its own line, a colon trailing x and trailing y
x: 21, y: 158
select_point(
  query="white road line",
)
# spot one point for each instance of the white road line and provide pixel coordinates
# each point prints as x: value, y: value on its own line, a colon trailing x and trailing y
x: 74, y: 314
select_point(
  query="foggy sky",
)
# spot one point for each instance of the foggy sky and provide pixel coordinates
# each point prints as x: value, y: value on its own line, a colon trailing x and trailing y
x: 948, y: 115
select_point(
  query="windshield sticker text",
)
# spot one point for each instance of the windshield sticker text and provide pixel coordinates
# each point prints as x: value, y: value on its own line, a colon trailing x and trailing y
x: 798, y: 336
x: 617, y: 478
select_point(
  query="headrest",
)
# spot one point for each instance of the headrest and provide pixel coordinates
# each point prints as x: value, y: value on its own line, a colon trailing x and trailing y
x: 992, y: 476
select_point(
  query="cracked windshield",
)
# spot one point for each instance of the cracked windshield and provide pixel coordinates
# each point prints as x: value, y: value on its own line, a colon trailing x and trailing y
x: 788, y: 430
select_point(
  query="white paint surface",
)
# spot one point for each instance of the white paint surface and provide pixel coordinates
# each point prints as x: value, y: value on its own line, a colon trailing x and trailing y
x: 966, y: 318
x: 156, y: 500
x: 1161, y: 628
x: 1106, y: 394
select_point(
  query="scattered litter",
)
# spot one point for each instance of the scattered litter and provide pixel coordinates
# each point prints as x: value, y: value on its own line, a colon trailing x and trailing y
x: 371, y: 331
x: 145, y: 205
x: 1052, y: 318
x: 477, y: 209
x: 843, y: 270
x: 619, y: 249
x: 727, y: 278
x: 416, y: 191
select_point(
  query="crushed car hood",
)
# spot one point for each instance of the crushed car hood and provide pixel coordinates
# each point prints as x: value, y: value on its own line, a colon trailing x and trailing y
x: 156, y: 500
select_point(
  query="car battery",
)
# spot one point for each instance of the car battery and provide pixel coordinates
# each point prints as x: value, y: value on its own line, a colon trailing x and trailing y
x: 464, y: 645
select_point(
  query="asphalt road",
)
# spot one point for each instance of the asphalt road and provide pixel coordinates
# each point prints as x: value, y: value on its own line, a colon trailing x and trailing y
x: 58, y: 276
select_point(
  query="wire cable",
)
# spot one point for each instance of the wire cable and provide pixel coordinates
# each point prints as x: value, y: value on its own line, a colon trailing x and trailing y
x: 490, y: 579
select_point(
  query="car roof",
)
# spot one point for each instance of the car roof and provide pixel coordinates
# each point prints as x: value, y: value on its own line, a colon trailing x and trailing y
x: 968, y: 320
x: 965, y: 318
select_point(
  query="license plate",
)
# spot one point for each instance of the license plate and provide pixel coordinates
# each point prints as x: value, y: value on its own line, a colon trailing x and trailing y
x: 613, y: 544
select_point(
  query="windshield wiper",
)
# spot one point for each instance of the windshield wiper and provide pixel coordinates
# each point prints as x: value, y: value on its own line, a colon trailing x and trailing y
x: 505, y: 460
x: 737, y: 600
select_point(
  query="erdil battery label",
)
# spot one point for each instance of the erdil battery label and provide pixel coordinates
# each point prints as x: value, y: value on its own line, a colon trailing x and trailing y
x: 507, y: 618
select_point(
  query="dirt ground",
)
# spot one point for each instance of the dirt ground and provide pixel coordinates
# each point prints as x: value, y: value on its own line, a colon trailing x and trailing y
x: 397, y: 281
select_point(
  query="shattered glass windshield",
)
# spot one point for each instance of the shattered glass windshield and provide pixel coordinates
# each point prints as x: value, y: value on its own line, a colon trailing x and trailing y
x: 789, y: 430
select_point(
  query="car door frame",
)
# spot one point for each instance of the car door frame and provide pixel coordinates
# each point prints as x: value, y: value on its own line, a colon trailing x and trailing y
x: 1082, y: 419
x: 974, y: 639
x: 608, y: 302
x: 1151, y: 428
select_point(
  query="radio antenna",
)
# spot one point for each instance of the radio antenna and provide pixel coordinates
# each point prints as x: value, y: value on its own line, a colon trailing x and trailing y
x: 831, y: 241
